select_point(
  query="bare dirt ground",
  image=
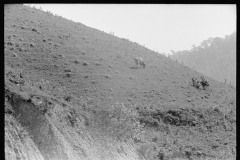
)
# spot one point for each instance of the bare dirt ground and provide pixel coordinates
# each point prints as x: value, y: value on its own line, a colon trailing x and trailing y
x: 60, y: 106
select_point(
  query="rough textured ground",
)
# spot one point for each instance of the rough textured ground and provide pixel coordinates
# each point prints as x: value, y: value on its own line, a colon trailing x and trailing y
x: 59, y: 106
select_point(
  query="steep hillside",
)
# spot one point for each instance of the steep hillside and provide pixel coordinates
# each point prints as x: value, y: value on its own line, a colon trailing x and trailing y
x: 215, y: 57
x: 78, y: 94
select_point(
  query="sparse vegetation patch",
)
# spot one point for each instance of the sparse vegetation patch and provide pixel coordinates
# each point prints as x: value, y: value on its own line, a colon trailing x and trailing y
x: 120, y: 122
x: 202, y: 84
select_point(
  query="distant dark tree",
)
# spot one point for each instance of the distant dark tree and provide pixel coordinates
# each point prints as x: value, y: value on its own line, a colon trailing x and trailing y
x: 204, y: 83
x: 164, y: 54
x: 194, y: 48
x: 172, y: 52
x: 195, y: 83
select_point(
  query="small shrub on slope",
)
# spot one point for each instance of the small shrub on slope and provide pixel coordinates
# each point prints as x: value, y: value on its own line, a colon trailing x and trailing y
x: 197, y: 84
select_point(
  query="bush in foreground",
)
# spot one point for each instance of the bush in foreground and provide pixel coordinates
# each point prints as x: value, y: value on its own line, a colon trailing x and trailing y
x: 120, y: 122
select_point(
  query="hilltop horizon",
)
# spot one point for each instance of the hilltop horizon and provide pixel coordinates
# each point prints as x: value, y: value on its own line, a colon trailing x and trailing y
x: 159, y: 27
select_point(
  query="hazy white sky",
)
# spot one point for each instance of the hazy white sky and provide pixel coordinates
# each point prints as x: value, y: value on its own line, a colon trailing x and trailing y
x: 160, y: 27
